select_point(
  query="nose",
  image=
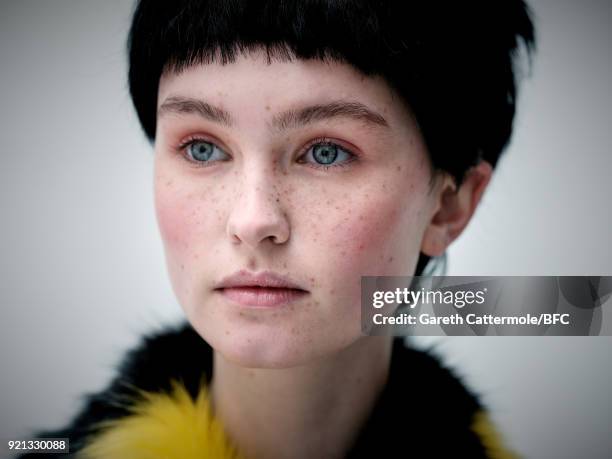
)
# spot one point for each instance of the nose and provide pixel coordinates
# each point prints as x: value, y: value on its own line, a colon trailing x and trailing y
x: 257, y: 215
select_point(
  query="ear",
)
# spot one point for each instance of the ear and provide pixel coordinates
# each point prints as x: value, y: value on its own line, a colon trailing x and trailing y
x: 454, y: 208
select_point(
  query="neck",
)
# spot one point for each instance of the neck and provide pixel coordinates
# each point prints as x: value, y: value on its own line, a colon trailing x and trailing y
x: 312, y: 410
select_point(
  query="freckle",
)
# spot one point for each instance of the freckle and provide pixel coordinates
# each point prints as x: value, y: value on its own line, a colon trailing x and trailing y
x: 248, y: 340
x: 277, y: 200
x: 399, y: 168
x: 268, y: 107
x: 332, y: 291
x: 182, y: 267
x: 312, y: 281
x: 285, y: 265
x: 343, y: 253
x: 390, y: 259
x: 169, y: 182
x: 227, y: 332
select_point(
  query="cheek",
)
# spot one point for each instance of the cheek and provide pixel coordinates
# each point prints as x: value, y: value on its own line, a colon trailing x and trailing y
x: 175, y: 216
x: 367, y: 239
x: 184, y: 215
x: 379, y: 234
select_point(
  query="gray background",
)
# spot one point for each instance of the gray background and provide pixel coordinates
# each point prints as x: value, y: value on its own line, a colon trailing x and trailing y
x: 82, y: 272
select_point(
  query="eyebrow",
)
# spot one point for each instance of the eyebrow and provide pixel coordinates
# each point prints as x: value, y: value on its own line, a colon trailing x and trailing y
x: 289, y: 119
x: 176, y: 104
x: 323, y: 112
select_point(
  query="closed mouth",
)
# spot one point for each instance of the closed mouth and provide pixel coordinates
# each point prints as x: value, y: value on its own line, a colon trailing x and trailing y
x: 258, y: 296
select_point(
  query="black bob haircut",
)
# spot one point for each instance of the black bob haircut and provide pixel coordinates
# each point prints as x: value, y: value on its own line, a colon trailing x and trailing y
x: 452, y: 62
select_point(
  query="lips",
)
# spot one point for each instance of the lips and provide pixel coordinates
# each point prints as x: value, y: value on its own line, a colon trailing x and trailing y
x: 265, y: 289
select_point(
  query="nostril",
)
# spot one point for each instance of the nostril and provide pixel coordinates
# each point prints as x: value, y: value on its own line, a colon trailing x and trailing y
x: 252, y: 224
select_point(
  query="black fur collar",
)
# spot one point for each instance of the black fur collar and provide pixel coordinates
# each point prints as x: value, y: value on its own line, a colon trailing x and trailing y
x: 424, y: 410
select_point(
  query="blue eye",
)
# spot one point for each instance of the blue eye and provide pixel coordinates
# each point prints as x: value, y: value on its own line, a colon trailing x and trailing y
x: 202, y: 151
x: 328, y: 154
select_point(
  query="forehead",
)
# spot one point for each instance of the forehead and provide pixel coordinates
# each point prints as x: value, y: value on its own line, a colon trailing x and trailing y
x: 255, y: 84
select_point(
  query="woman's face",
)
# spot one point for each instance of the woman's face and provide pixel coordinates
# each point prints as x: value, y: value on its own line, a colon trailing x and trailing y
x: 306, y: 169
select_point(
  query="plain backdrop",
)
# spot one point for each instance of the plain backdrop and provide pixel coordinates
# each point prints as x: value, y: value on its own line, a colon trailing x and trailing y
x: 82, y: 272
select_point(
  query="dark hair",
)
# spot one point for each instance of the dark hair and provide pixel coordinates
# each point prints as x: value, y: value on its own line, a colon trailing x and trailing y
x: 452, y: 62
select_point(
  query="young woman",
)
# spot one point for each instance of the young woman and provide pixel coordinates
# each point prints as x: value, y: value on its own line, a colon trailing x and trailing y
x: 300, y: 145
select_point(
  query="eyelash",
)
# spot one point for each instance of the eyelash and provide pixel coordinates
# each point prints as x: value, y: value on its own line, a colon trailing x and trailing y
x: 181, y: 149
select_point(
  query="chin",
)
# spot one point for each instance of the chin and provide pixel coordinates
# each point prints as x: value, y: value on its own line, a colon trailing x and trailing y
x: 267, y: 351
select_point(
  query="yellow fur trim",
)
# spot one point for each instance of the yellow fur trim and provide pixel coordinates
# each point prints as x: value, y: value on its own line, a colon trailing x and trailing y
x: 490, y: 437
x: 164, y: 426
